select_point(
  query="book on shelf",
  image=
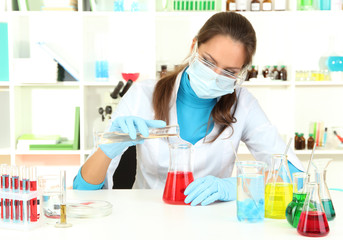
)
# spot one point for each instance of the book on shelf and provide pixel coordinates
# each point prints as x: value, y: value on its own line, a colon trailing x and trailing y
x: 22, y: 5
x: 64, y: 144
x: 25, y: 140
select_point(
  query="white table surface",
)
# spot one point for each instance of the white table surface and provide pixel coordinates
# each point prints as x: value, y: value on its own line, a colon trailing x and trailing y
x: 141, y: 214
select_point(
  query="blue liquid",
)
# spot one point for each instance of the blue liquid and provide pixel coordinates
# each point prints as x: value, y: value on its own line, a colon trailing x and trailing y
x: 247, y: 210
x: 325, y: 4
x: 101, y: 70
x: 250, y: 198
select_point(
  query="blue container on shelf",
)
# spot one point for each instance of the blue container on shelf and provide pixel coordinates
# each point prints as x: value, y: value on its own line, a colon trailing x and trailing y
x: 325, y: 4
x: 335, y: 63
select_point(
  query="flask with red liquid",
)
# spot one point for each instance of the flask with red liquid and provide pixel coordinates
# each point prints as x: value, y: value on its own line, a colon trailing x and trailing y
x: 313, y: 221
x: 180, y: 173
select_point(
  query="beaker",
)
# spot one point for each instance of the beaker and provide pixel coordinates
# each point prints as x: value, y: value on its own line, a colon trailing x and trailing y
x: 180, y: 173
x: 279, y: 188
x: 114, y: 137
x: 313, y: 221
x: 250, y: 191
x: 49, y: 186
x: 320, y: 166
x: 294, y: 208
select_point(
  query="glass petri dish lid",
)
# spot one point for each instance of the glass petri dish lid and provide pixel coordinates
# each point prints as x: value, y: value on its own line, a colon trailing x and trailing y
x: 89, y: 209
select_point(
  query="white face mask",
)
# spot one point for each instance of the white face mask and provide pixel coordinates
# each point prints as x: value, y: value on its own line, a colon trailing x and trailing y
x: 208, y: 84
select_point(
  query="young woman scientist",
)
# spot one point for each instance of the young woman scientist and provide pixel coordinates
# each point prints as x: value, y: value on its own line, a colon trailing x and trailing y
x: 204, y: 98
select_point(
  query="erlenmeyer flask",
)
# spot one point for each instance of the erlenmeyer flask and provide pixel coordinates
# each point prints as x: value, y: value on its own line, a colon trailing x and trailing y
x: 180, y: 173
x: 294, y: 208
x: 279, y: 188
x: 320, y: 166
x: 313, y: 221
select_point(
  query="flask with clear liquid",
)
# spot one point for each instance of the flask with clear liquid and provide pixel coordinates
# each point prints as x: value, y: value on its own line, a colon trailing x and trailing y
x: 115, y: 137
x: 279, y: 188
x: 320, y: 166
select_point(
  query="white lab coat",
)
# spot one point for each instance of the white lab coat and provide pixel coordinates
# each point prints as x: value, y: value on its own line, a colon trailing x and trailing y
x: 217, y: 158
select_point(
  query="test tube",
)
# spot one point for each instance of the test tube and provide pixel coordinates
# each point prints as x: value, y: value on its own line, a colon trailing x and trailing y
x: 5, y: 179
x: 2, y: 202
x: 15, y: 188
x: 26, y: 189
x: 33, y: 187
x: 21, y: 174
x: 63, y: 219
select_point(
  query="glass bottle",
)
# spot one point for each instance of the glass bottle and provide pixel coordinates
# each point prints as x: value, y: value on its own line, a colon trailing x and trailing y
x: 320, y: 166
x: 253, y: 72
x: 296, y: 139
x: 265, y: 72
x: 241, y: 5
x: 283, y: 73
x: 310, y: 142
x: 303, y: 141
x: 275, y: 75
x: 279, y: 188
x: 255, y: 5
x: 313, y: 221
x: 180, y: 173
x: 293, y: 210
x: 266, y: 5
x: 163, y: 71
x: 231, y: 5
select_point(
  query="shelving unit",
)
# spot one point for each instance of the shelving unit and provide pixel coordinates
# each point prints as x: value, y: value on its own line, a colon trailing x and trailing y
x: 149, y: 39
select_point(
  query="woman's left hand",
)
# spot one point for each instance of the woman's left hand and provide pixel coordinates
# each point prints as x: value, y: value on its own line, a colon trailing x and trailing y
x: 208, y: 189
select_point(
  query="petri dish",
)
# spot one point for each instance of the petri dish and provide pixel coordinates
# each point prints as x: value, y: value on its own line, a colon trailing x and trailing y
x: 89, y: 209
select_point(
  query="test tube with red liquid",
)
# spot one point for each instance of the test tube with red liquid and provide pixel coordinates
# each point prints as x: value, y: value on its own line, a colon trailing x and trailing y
x: 33, y: 187
x: 26, y: 189
x: 5, y: 179
x: 15, y: 189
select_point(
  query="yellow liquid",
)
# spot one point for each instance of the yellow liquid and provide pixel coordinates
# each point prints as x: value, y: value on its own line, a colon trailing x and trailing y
x: 277, y: 198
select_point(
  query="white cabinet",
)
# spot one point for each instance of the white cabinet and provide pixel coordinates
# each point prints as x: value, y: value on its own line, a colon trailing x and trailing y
x: 147, y: 40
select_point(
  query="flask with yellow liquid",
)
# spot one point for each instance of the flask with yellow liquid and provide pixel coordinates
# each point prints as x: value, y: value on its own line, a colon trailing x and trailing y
x: 279, y: 188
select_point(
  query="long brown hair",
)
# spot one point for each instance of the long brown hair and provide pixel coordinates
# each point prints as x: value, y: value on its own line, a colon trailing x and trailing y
x: 229, y: 24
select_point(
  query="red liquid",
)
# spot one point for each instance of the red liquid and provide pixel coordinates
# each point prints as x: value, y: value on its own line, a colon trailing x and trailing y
x: 2, y: 208
x: 132, y: 76
x: 313, y: 224
x: 15, y: 182
x: 16, y: 205
x: 33, y: 202
x: 175, y: 186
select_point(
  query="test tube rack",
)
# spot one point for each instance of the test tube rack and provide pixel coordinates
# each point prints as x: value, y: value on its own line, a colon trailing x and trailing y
x: 15, y: 210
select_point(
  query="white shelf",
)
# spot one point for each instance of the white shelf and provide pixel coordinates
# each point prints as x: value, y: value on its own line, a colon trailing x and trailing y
x: 5, y: 151
x: 4, y: 83
x: 48, y: 152
x: 56, y: 84
x: 270, y: 83
x: 318, y: 83
x: 100, y: 84
x: 319, y: 152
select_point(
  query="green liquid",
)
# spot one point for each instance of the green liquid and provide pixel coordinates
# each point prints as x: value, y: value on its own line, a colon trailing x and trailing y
x: 328, y: 208
x: 293, y: 210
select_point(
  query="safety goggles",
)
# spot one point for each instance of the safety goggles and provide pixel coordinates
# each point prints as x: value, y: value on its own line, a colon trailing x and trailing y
x: 237, y: 77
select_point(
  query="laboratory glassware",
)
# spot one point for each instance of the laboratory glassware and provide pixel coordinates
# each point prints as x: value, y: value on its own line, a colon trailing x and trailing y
x: 50, y: 189
x: 115, y: 137
x: 294, y: 208
x: 320, y: 166
x: 279, y: 187
x: 180, y: 173
x: 313, y: 221
x: 63, y: 205
x: 250, y: 190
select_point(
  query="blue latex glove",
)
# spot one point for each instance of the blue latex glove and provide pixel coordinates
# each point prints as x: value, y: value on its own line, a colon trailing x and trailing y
x: 208, y: 189
x: 130, y: 125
